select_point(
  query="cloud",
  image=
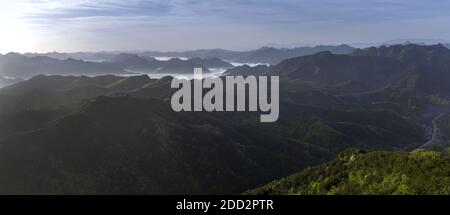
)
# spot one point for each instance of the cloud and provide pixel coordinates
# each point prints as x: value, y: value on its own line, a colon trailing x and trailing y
x: 248, y: 11
x: 247, y: 22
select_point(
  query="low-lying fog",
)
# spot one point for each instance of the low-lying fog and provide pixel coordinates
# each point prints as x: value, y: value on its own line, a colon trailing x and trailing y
x: 215, y: 72
x: 168, y: 58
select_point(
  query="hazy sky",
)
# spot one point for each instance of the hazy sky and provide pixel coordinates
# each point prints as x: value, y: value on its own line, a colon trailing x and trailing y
x: 91, y: 25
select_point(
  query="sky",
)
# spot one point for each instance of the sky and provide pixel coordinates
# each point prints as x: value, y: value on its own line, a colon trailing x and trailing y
x: 175, y: 25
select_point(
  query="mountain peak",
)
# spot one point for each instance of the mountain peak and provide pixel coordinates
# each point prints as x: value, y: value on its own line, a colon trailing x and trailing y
x: 174, y: 60
x: 323, y: 54
x: 13, y: 55
x: 414, y: 54
x: 124, y: 57
x: 267, y: 48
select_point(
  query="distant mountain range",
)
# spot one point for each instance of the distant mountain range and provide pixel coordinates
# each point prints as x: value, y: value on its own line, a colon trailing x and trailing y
x: 19, y: 66
x: 274, y: 56
x: 141, y: 64
x: 411, y: 66
x: 416, y: 41
x: 84, y: 63
x: 265, y: 55
x: 426, y: 42
x: 268, y: 55
x: 421, y: 70
x: 24, y: 66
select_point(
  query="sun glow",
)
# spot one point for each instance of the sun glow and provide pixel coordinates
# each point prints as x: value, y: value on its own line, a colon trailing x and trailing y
x: 15, y: 34
x: 14, y: 37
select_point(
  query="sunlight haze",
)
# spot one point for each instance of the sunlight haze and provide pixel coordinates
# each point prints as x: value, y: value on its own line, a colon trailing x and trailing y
x: 174, y: 25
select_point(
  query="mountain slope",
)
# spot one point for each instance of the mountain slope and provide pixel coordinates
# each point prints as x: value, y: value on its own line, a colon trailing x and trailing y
x: 129, y: 145
x: 43, y: 92
x: 360, y: 172
x: 8, y: 81
x: 62, y: 136
x: 429, y: 67
x: 327, y: 69
x: 247, y: 70
x: 434, y: 57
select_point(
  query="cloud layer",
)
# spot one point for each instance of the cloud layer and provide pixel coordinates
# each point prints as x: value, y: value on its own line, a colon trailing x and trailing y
x: 233, y: 24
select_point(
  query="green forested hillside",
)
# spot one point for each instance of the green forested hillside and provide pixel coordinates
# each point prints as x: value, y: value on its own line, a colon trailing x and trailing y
x: 361, y: 172
x: 133, y: 143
